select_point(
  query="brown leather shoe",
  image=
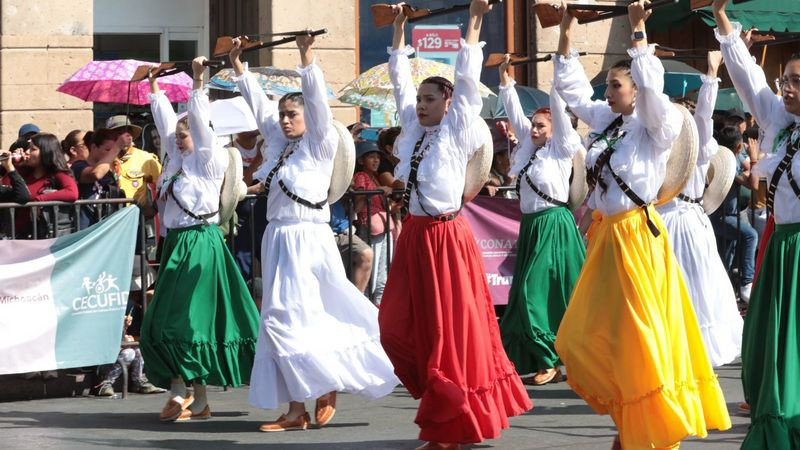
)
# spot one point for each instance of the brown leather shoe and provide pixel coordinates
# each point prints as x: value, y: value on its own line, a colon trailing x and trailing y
x: 284, y: 424
x: 173, y: 409
x: 548, y: 376
x: 325, y: 409
x: 187, y: 415
x: 438, y: 446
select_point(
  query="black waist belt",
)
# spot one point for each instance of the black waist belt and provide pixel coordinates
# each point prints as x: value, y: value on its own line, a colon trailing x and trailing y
x: 635, y: 199
x: 201, y: 217
x: 546, y: 197
x: 688, y: 199
x: 299, y: 199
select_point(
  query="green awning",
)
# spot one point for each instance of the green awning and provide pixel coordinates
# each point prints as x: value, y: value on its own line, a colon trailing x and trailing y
x: 766, y: 15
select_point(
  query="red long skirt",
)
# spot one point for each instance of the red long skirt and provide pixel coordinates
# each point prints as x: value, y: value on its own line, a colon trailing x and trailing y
x: 762, y: 244
x: 439, y: 329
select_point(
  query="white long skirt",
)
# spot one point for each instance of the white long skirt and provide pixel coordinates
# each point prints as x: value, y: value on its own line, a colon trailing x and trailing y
x: 714, y: 301
x: 318, y: 333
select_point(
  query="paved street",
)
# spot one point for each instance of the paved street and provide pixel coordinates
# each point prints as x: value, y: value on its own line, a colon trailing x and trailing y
x: 559, y: 420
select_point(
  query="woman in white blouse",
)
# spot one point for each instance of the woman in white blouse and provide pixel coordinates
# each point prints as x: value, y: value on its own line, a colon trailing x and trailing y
x: 550, y: 251
x: 629, y: 338
x: 770, y: 345
x: 695, y: 245
x: 318, y: 333
x: 437, y: 319
x: 202, y: 324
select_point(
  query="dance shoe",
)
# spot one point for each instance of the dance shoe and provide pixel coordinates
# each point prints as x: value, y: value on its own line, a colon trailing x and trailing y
x: 187, y: 415
x: 325, y: 409
x: 284, y: 424
x: 173, y: 409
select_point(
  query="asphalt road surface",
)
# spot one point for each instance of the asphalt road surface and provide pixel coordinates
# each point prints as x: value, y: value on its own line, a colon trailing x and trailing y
x: 559, y: 420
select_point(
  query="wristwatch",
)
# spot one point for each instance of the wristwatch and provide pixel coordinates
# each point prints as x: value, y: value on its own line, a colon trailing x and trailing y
x: 638, y: 35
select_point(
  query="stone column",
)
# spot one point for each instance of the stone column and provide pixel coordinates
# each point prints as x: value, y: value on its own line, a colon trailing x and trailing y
x: 337, y: 51
x: 41, y: 44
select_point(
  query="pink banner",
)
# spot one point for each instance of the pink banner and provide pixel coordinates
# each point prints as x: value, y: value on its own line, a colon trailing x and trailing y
x: 495, y: 224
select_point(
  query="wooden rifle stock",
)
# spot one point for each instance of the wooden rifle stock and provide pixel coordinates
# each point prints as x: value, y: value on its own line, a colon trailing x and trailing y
x: 617, y: 13
x: 495, y: 59
x: 170, y: 68
x: 382, y: 14
x: 224, y: 44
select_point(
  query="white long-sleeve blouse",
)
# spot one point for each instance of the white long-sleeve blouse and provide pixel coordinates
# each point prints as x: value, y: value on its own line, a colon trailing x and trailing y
x: 768, y: 109
x: 307, y: 171
x: 641, y: 155
x: 197, y: 176
x: 551, y: 169
x: 449, y: 145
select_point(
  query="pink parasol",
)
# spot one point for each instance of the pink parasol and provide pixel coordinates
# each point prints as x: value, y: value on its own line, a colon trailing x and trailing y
x: 109, y: 82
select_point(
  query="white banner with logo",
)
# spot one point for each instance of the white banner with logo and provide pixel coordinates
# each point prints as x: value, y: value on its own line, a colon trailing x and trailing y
x: 62, y: 301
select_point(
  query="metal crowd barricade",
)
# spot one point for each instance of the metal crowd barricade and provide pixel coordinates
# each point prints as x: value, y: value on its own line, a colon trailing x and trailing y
x: 73, y: 210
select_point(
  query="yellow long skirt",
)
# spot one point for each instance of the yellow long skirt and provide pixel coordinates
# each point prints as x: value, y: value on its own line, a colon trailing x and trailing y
x: 630, y: 339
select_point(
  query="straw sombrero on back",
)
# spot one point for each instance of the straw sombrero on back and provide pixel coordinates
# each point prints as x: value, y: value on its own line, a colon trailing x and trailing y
x: 578, y: 189
x: 344, y: 163
x: 233, y: 189
x: 682, y: 159
x: 719, y: 179
x: 480, y: 164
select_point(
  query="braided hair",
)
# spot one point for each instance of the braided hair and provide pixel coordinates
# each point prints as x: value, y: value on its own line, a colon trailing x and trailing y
x: 444, y: 85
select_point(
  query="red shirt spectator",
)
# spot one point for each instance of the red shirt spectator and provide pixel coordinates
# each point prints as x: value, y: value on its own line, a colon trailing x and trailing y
x: 45, y: 171
x: 363, y: 181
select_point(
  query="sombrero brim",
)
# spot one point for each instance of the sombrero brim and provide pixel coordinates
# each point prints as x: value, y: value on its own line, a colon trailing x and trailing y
x: 480, y: 164
x: 344, y: 163
x: 720, y: 176
x: 233, y: 188
x: 578, y: 189
x: 682, y: 159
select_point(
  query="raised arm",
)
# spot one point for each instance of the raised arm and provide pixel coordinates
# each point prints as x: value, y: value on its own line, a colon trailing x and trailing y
x: 748, y: 78
x: 565, y: 140
x: 660, y: 117
x: 164, y: 118
x: 571, y: 82
x: 264, y: 110
x: 400, y: 71
x: 200, y: 116
x: 706, y: 99
x: 466, y: 103
x: 510, y: 99
x: 317, y: 112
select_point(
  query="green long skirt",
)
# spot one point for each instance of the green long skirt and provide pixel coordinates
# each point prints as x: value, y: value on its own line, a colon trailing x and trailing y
x: 550, y: 255
x: 202, y: 324
x: 771, y: 346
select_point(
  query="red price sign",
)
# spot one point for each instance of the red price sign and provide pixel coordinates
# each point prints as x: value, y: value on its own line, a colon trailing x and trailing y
x: 436, y: 39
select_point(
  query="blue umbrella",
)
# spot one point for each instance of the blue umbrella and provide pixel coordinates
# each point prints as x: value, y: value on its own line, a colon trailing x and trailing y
x: 530, y: 98
x: 679, y: 80
x: 274, y: 81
